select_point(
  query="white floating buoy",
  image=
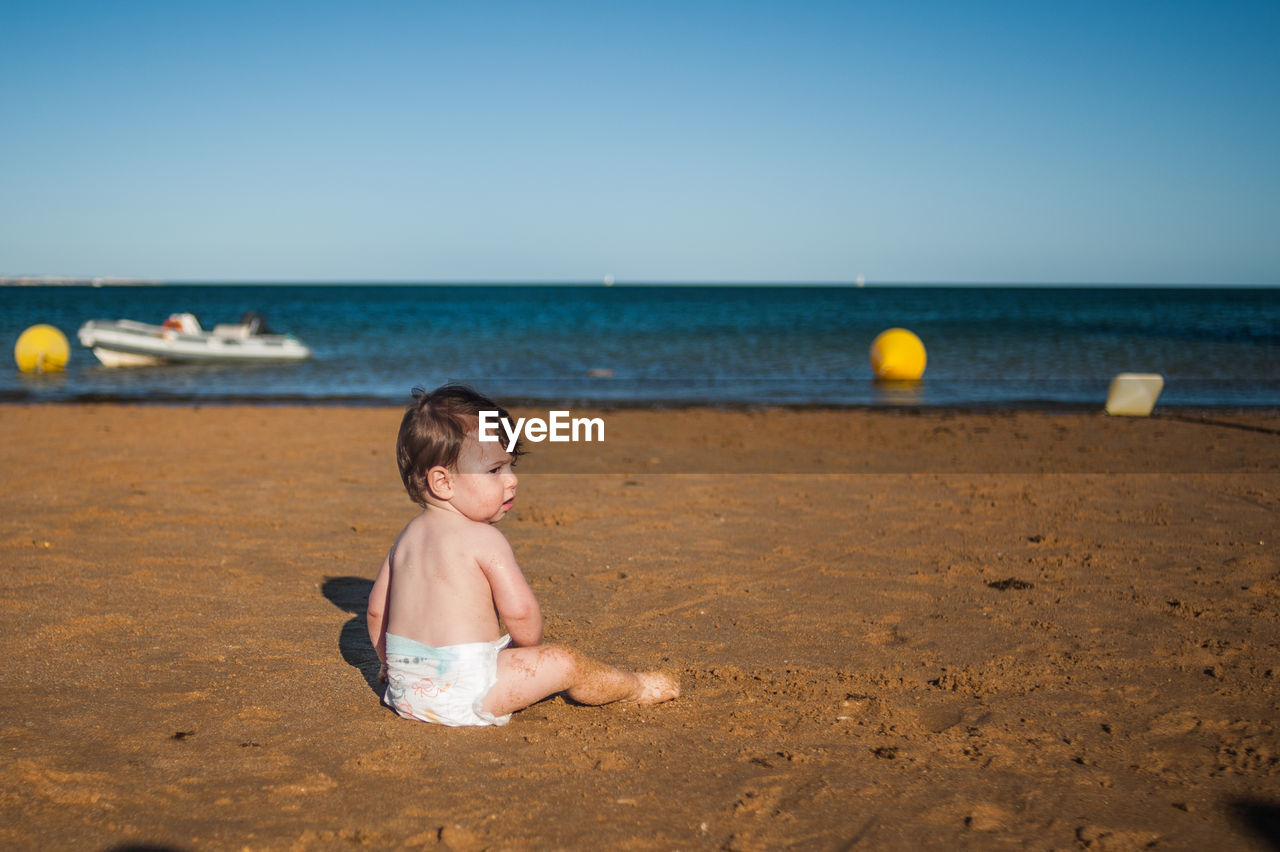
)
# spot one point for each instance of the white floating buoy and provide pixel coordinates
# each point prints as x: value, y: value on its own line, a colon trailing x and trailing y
x: 1134, y: 394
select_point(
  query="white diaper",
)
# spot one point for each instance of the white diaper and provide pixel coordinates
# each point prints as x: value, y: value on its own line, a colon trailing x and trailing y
x: 442, y: 685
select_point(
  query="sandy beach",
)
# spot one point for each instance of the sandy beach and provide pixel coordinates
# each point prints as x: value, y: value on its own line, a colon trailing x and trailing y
x: 894, y: 630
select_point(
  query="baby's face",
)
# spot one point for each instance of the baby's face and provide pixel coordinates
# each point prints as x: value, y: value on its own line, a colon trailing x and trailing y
x: 484, y: 484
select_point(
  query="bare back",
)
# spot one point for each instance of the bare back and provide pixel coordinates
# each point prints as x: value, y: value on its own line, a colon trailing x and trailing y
x: 439, y: 593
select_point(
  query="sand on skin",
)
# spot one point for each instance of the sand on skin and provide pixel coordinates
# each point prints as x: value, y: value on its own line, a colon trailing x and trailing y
x: 896, y: 629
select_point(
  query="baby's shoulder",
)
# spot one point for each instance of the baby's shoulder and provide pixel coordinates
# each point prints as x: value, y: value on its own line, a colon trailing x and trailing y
x: 456, y: 534
x: 417, y: 530
x: 483, y: 540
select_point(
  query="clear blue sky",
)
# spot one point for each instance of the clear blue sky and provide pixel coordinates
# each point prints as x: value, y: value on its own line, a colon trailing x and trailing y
x: 1081, y: 142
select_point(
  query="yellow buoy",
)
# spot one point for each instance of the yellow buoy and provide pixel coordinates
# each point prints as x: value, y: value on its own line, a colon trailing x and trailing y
x: 41, y: 349
x: 897, y: 355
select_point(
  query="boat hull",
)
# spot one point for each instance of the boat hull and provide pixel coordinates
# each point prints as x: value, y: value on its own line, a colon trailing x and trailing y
x: 124, y: 343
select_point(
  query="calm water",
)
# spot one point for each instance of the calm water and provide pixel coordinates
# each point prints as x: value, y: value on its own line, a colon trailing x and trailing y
x: 986, y: 346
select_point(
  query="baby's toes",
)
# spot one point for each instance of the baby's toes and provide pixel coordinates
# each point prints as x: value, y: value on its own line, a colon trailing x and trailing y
x: 656, y: 687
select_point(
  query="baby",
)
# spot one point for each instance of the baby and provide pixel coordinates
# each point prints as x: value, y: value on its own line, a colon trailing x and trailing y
x: 450, y: 576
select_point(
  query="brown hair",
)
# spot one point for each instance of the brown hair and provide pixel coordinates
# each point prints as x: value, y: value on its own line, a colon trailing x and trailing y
x: 433, y: 429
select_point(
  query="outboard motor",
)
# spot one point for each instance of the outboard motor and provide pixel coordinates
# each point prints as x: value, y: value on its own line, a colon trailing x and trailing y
x: 257, y: 322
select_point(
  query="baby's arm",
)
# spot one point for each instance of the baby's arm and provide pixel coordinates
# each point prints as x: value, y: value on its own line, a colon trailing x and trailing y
x: 515, y: 602
x: 375, y: 617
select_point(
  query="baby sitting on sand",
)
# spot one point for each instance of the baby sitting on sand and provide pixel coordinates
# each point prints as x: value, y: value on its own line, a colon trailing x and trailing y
x: 450, y: 576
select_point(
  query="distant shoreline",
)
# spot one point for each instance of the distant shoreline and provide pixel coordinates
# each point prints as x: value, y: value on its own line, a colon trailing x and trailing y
x: 55, y: 281
x: 40, y: 281
x: 997, y: 409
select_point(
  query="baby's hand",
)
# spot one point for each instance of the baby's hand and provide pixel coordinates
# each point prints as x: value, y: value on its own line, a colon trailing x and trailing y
x: 382, y: 673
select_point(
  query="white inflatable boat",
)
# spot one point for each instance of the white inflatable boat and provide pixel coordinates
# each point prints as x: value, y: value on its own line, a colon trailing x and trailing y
x: 181, y: 340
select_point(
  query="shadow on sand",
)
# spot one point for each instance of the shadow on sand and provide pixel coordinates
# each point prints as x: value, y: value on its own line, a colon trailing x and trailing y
x: 351, y: 594
x: 1261, y: 817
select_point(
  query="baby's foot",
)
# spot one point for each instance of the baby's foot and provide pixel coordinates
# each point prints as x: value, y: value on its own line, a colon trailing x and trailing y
x: 656, y: 687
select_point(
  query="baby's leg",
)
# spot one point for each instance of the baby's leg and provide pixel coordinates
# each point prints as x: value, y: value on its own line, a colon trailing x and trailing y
x: 528, y: 675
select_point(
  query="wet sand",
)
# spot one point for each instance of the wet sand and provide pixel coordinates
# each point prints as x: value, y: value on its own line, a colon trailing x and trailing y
x: 894, y: 630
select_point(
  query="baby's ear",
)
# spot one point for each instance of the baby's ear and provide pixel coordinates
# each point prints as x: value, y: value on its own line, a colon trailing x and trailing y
x: 440, y: 483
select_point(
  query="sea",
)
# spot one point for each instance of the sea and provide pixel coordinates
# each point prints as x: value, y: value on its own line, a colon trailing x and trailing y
x: 722, y: 345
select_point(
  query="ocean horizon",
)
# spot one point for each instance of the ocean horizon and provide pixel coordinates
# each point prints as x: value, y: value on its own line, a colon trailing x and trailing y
x: 605, y: 281
x: 651, y: 344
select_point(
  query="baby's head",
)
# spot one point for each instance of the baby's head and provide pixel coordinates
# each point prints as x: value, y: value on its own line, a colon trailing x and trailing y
x: 434, y: 429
